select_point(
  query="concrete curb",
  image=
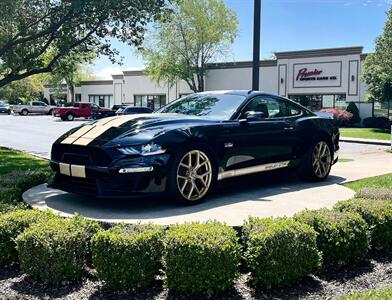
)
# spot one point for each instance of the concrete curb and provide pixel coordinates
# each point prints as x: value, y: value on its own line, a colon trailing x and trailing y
x: 366, y: 141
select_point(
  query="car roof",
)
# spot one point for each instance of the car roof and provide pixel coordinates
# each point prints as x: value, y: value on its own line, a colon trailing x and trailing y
x: 245, y: 93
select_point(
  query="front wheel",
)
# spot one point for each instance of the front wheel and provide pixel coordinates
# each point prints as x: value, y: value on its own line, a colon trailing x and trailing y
x: 191, y: 177
x: 317, y: 162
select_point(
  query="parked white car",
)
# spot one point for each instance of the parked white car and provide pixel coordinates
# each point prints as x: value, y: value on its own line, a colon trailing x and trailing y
x: 33, y: 107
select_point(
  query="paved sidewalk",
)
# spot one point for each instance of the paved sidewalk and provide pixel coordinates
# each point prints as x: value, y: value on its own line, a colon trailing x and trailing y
x: 365, y: 141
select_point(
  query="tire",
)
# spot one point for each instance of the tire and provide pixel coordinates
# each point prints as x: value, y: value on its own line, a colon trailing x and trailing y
x: 50, y: 112
x: 63, y: 119
x: 24, y: 112
x: 70, y: 117
x: 191, y: 183
x: 317, y: 162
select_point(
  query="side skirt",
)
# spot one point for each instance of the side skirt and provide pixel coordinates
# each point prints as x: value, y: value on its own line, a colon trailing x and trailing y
x: 254, y: 169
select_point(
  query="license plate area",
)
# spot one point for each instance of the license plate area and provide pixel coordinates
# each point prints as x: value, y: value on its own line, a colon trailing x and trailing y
x: 72, y: 170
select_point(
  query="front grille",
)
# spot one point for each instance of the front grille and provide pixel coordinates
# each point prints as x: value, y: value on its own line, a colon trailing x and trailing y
x: 80, y: 155
x: 81, y: 185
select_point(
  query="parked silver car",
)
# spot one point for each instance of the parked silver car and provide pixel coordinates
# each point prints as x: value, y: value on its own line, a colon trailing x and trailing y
x: 33, y: 107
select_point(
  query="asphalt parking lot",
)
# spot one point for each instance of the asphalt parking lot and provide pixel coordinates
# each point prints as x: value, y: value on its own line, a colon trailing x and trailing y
x: 34, y: 133
x: 270, y: 194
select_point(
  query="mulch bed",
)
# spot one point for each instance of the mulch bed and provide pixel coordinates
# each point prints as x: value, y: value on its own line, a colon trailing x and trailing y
x: 376, y: 272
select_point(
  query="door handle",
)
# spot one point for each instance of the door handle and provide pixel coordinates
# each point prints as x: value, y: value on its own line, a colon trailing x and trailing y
x: 288, y: 128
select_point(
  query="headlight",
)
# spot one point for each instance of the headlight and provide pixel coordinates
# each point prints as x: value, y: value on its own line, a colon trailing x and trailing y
x: 149, y: 149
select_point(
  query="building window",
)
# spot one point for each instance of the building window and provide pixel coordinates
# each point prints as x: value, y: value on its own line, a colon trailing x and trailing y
x: 318, y: 102
x: 150, y: 101
x: 101, y: 100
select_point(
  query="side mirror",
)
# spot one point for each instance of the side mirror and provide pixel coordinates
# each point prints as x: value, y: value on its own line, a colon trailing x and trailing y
x: 255, y: 115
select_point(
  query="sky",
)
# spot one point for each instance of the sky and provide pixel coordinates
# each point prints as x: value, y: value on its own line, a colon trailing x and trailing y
x: 287, y: 25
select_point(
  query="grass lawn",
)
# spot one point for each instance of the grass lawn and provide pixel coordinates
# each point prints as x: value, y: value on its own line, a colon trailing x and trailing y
x: 377, y: 294
x: 383, y: 181
x: 366, y: 133
x: 11, y: 160
x: 18, y: 173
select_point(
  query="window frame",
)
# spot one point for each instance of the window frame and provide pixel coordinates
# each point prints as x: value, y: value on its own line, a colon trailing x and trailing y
x: 285, y: 101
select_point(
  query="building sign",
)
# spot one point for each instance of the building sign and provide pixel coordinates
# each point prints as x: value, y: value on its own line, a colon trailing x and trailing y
x: 315, y: 75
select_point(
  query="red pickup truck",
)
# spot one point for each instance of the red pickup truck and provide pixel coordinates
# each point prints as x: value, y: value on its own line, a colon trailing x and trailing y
x: 78, y: 110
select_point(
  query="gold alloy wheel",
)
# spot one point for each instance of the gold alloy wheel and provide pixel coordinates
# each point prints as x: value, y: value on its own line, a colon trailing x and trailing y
x: 321, y: 159
x: 194, y: 175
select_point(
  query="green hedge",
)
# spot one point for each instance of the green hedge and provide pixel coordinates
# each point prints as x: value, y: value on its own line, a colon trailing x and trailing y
x: 201, y: 258
x: 378, y: 216
x: 374, y: 193
x: 280, y: 251
x: 55, y: 250
x: 342, y: 236
x: 11, y: 225
x: 128, y: 257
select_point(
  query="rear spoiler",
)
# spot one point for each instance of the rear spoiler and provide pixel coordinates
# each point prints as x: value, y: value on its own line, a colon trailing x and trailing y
x: 324, y: 114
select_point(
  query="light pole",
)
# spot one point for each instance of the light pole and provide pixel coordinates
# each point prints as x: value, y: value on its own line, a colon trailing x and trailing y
x: 256, y: 44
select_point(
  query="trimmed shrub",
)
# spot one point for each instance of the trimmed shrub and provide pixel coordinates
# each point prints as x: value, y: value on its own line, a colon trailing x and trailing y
x: 342, y: 117
x: 11, y: 225
x: 377, y: 122
x: 374, y: 193
x: 378, y: 216
x: 201, y: 258
x: 55, y: 250
x: 352, y: 108
x: 342, y: 236
x: 280, y: 251
x: 128, y: 256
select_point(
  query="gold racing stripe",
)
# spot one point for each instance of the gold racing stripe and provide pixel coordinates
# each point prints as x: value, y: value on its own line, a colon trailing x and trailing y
x: 99, y: 128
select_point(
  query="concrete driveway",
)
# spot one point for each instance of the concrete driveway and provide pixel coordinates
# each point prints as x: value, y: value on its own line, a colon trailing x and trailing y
x: 279, y: 193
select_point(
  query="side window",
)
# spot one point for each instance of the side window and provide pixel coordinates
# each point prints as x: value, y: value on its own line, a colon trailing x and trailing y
x: 293, y: 110
x: 271, y: 107
x: 35, y: 103
x: 94, y: 106
x: 84, y: 105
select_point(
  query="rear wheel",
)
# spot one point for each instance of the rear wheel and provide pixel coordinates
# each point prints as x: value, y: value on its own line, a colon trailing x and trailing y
x: 24, y: 112
x: 70, y: 117
x: 317, y: 162
x: 191, y: 176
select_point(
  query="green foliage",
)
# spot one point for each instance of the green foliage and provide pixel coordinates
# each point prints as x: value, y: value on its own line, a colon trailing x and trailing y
x: 378, y: 216
x: 198, y: 32
x: 55, y: 250
x: 352, y: 108
x: 377, y: 69
x: 36, y: 36
x: 28, y: 89
x: 280, y: 251
x: 342, y: 236
x: 201, y: 258
x: 375, y: 193
x: 128, y: 257
x: 11, y: 225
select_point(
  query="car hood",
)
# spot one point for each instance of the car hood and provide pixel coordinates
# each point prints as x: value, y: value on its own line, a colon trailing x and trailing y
x: 131, y: 129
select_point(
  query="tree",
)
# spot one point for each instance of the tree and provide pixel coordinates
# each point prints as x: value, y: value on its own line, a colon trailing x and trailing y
x: 24, y: 90
x: 377, y: 71
x: 31, y: 30
x: 71, y: 71
x: 198, y: 32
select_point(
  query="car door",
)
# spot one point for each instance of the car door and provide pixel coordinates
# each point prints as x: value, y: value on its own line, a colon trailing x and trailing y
x: 35, y: 107
x: 261, y: 141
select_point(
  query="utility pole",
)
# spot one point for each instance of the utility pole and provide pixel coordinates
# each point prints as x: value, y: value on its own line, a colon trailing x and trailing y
x: 256, y: 45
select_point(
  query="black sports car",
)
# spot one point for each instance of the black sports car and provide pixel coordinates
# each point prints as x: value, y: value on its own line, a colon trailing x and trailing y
x: 191, y: 143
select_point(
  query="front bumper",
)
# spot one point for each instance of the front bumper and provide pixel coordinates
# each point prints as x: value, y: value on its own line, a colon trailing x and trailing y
x: 125, y: 178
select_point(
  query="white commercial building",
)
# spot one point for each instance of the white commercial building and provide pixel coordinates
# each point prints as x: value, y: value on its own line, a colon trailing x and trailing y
x: 323, y: 78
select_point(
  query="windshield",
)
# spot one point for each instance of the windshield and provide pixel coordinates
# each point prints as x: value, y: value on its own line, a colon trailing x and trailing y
x: 216, y: 106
